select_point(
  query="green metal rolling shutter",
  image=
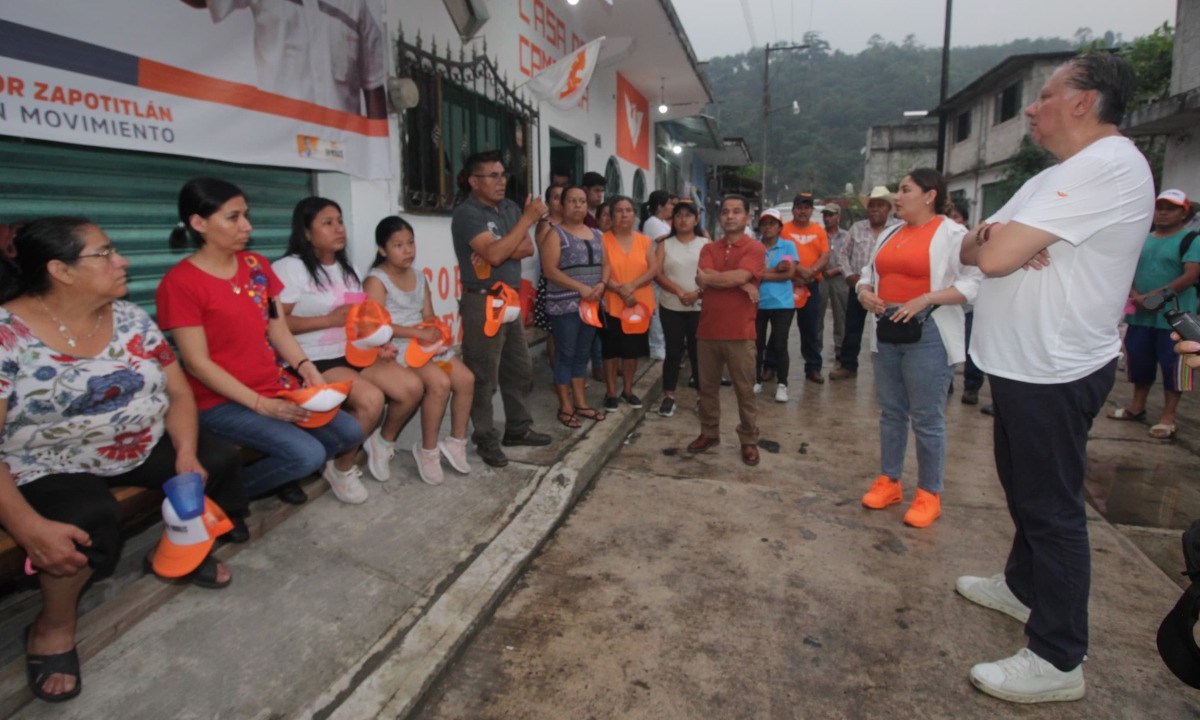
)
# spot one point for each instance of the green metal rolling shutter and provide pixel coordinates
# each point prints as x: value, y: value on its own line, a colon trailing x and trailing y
x: 133, y: 196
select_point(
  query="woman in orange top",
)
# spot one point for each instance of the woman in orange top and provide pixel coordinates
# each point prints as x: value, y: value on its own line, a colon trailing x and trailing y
x: 629, y: 266
x: 915, y: 275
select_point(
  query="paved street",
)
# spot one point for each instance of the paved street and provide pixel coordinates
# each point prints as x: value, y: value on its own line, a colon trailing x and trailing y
x: 686, y: 587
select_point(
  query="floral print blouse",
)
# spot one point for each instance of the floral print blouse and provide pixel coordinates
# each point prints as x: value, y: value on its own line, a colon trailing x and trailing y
x: 66, y: 414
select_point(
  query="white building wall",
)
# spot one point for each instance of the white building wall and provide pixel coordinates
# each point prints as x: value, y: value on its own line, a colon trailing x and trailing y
x: 365, y: 202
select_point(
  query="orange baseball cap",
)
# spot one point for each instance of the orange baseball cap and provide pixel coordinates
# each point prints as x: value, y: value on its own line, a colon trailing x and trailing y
x: 589, y: 311
x: 635, y: 319
x: 185, y: 543
x: 801, y: 295
x: 368, y: 327
x: 502, y: 307
x: 418, y: 355
x: 321, y: 401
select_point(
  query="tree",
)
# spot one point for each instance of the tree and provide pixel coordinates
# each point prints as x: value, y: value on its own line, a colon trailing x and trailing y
x: 1150, y: 57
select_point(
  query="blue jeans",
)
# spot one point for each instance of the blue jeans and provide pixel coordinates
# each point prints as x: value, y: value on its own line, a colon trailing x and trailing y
x: 910, y: 384
x: 291, y: 452
x: 572, y: 346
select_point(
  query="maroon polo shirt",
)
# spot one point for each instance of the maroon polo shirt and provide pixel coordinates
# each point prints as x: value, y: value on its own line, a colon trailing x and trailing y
x: 728, y: 313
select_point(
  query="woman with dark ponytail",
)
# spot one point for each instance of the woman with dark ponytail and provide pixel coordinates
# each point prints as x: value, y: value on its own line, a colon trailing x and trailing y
x: 222, y: 305
x: 91, y: 398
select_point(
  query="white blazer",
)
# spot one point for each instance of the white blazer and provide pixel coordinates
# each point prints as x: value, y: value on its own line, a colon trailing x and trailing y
x: 945, y: 270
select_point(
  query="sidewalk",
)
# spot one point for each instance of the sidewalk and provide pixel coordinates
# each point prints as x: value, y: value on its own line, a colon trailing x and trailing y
x: 353, y: 612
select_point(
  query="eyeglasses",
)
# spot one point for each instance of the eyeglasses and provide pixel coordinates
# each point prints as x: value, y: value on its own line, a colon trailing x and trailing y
x: 107, y: 253
x: 493, y: 175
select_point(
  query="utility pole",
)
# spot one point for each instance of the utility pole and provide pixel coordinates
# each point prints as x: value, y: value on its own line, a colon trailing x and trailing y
x: 941, y: 151
x: 766, y: 106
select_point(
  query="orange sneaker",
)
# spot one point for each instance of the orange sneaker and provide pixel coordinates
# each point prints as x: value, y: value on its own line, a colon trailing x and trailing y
x: 884, y: 491
x: 926, y: 507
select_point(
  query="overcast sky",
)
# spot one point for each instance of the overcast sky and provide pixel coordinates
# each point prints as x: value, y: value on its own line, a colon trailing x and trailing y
x: 722, y: 29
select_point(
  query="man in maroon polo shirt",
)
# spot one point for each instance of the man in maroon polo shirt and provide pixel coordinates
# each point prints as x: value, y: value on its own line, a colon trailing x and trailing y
x: 728, y: 275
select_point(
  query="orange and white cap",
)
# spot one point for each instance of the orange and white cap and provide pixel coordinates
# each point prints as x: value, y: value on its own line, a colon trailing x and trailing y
x: 1175, y: 197
x: 635, y: 319
x: 589, y: 312
x: 503, y: 306
x: 321, y: 401
x: 800, y: 295
x: 418, y: 355
x: 185, y: 543
x: 368, y: 327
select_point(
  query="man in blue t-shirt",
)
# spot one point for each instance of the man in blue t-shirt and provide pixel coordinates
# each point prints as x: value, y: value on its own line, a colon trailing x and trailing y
x: 776, y: 302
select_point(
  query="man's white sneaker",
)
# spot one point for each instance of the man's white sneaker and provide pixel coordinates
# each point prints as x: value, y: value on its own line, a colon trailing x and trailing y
x: 1027, y: 678
x: 781, y: 393
x: 455, y: 451
x: 992, y: 592
x: 757, y: 388
x: 429, y: 464
x: 379, y: 456
x: 347, y: 484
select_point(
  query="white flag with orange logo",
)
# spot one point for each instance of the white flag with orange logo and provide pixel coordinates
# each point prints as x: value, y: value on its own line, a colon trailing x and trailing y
x: 564, y: 83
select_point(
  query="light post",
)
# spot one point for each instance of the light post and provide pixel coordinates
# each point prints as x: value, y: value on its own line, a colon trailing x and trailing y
x: 766, y: 105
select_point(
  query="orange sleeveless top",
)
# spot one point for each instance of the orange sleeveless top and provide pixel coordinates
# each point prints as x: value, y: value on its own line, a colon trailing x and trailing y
x: 902, y: 264
x: 624, y: 268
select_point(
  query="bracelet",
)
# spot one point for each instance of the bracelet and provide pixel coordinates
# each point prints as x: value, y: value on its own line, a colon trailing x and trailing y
x: 297, y: 365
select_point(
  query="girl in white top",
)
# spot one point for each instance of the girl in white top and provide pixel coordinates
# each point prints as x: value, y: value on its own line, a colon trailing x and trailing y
x: 394, y: 283
x: 678, y: 257
x: 320, y: 285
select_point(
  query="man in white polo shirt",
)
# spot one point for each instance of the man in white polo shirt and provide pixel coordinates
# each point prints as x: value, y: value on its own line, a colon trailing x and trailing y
x: 1059, y: 259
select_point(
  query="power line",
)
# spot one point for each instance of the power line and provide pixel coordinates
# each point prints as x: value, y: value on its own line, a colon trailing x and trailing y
x: 749, y: 23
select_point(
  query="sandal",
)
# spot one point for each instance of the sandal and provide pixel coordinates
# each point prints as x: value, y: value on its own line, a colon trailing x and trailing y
x: 1162, y: 431
x: 568, y: 419
x: 39, y: 668
x: 590, y: 413
x: 204, y: 576
x: 1125, y: 414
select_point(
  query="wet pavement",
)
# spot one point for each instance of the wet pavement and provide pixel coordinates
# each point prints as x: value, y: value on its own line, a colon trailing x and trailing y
x: 692, y: 586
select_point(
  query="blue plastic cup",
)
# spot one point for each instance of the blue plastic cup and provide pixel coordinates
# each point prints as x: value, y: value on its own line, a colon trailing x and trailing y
x: 186, y: 493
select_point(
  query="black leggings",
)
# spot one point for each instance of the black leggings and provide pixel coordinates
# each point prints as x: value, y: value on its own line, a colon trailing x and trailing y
x: 679, y: 331
x: 84, y: 500
x: 781, y: 325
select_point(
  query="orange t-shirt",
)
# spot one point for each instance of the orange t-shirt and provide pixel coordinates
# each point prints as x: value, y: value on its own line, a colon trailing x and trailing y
x: 811, y: 241
x: 902, y: 264
x: 624, y: 267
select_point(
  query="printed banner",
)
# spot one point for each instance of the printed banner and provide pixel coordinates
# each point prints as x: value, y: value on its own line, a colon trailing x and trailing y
x: 633, y: 124
x: 564, y: 83
x: 296, y: 83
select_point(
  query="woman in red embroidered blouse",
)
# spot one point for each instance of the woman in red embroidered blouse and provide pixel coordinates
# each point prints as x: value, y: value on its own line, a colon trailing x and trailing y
x: 222, y: 305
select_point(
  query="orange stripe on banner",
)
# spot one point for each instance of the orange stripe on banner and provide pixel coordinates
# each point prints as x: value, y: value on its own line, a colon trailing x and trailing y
x: 185, y: 83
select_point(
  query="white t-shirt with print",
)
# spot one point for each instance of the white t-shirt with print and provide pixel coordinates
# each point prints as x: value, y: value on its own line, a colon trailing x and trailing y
x: 1059, y: 324
x: 311, y: 300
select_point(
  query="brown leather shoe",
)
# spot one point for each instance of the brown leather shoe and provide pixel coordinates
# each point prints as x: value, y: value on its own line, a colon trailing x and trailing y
x: 703, y: 443
x: 750, y: 454
x: 815, y: 376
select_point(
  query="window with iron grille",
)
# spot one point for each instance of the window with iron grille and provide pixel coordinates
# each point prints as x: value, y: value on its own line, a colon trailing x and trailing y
x: 464, y: 108
x: 1007, y: 103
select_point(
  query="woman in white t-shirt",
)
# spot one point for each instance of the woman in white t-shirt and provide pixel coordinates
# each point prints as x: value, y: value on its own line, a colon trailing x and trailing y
x: 320, y: 285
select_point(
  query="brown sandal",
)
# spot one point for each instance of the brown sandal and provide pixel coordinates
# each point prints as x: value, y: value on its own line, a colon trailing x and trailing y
x: 569, y: 419
x: 590, y: 413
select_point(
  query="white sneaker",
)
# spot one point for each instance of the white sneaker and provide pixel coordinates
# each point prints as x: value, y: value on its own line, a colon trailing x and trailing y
x: 429, y: 464
x: 992, y: 592
x: 757, y: 388
x: 379, y: 456
x: 455, y: 451
x: 347, y: 484
x: 781, y: 393
x: 1026, y: 678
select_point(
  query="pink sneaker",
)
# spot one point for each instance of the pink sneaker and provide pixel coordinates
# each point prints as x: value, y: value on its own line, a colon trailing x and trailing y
x: 429, y: 464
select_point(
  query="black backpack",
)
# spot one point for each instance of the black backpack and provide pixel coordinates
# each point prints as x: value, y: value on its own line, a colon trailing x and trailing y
x: 1176, y: 641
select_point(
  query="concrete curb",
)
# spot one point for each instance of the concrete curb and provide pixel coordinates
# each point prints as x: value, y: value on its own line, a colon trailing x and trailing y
x: 393, y: 676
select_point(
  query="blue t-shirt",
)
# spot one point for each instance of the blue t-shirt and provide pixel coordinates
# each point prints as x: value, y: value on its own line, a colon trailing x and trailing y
x: 777, y: 294
x: 1158, y: 265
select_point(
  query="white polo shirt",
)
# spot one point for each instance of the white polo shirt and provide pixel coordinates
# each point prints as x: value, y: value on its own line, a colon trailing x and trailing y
x: 325, y: 52
x: 1059, y: 324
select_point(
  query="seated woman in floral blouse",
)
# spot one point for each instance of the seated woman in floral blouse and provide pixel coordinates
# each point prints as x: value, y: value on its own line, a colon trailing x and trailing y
x: 91, y: 397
